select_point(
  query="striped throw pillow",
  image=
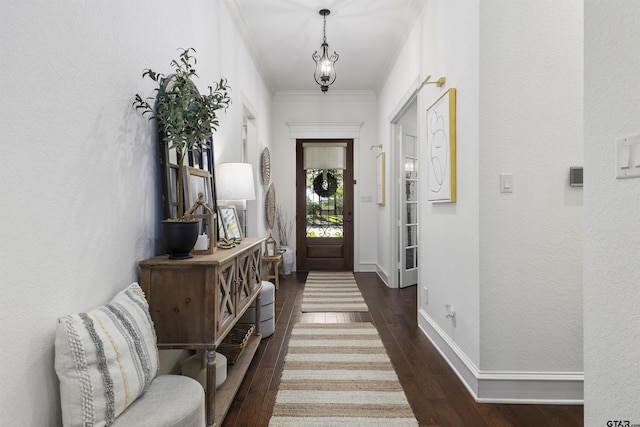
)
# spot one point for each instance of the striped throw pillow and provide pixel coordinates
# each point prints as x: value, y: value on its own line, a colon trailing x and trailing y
x: 105, y: 359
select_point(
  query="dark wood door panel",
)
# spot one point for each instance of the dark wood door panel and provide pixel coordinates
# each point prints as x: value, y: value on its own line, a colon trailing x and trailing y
x: 325, y: 250
x: 324, y: 253
x: 315, y: 264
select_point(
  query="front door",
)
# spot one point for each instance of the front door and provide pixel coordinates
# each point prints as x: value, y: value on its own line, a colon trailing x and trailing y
x: 324, y: 204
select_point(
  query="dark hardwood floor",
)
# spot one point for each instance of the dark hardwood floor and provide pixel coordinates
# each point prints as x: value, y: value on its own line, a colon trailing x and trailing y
x: 435, y: 393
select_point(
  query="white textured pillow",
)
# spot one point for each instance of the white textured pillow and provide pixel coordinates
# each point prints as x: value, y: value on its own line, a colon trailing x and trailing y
x: 105, y: 359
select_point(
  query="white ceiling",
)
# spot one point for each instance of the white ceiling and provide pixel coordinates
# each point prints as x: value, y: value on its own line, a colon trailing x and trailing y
x: 283, y: 34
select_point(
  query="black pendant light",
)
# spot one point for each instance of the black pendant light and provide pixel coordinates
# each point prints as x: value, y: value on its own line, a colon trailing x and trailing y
x: 325, y: 73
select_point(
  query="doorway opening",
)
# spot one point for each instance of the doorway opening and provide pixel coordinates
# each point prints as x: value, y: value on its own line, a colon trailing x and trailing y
x: 324, y: 204
x: 405, y: 203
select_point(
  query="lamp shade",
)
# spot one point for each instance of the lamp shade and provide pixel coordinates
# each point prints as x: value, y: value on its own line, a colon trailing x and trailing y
x: 234, y: 181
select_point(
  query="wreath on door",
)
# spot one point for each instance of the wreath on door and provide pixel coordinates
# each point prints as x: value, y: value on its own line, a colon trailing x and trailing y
x: 325, y: 184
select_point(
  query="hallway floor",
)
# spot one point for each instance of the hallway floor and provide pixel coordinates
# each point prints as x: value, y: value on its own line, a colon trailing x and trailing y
x: 435, y: 393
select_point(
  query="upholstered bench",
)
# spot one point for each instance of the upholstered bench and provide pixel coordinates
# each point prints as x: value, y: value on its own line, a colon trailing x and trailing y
x: 107, y: 363
x: 171, y: 400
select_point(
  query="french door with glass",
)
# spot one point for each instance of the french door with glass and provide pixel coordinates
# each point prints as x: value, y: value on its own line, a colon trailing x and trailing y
x: 408, y: 211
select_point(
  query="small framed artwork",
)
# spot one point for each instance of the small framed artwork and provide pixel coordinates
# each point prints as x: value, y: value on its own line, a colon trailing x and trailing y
x: 441, y: 148
x: 230, y: 224
x: 380, y: 179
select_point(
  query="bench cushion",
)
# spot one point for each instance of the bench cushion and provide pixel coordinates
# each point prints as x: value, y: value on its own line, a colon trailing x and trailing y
x: 171, y: 401
x: 105, y: 359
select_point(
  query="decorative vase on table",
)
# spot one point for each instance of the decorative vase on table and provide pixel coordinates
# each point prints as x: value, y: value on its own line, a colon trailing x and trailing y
x: 179, y: 237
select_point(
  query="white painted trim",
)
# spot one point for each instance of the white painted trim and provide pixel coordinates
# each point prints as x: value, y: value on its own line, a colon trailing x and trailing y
x: 366, y: 267
x: 463, y: 367
x: 240, y: 22
x: 247, y: 106
x: 331, y: 130
x: 382, y: 275
x: 521, y: 387
x: 328, y: 130
x: 330, y: 96
x: 404, y: 103
x: 253, y: 152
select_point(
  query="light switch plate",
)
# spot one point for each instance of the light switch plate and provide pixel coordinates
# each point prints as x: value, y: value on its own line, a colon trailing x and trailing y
x: 628, y: 157
x: 506, y: 183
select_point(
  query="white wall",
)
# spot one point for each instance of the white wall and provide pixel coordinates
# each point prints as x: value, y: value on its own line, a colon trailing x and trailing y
x: 510, y: 264
x: 444, y: 42
x: 79, y: 186
x: 612, y: 214
x: 331, y: 107
x: 449, y: 262
x: 531, y: 125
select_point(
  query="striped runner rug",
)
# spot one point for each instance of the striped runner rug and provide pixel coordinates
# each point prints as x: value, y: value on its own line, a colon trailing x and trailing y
x: 338, y: 374
x: 328, y: 291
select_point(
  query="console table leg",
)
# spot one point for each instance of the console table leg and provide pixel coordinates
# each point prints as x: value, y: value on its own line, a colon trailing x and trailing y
x: 210, y: 394
x: 258, y: 311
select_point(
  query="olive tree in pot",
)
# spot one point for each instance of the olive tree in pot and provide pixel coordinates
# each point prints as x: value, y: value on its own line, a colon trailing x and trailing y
x: 187, y: 119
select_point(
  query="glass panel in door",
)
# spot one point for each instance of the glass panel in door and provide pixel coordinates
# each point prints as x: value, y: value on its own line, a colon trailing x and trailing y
x: 325, y: 203
x: 409, y: 214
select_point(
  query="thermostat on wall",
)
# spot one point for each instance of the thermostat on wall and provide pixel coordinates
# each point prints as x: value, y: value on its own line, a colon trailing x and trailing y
x: 575, y: 176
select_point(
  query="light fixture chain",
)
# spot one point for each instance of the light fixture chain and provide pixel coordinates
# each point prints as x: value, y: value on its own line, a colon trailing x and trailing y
x: 324, y: 30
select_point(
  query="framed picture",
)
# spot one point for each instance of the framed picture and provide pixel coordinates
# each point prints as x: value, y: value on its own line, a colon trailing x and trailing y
x: 197, y: 184
x: 441, y: 149
x: 380, y: 178
x: 229, y: 220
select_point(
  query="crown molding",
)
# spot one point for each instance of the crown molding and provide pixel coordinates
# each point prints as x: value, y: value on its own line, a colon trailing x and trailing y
x: 241, y: 25
x: 317, y: 95
x: 331, y: 130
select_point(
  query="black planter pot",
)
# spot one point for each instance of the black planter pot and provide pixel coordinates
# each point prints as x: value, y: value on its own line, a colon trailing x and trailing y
x: 179, y: 237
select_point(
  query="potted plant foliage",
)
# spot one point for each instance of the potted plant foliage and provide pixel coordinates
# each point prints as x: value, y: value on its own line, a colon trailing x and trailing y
x: 187, y: 119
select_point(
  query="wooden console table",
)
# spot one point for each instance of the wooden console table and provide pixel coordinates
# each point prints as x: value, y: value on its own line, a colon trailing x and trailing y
x: 195, y: 302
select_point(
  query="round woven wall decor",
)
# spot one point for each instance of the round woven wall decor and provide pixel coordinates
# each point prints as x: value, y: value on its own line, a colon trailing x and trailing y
x: 265, y: 166
x: 270, y: 206
x: 325, y: 184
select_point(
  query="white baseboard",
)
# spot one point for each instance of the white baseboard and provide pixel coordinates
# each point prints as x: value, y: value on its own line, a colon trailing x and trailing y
x: 367, y: 267
x: 382, y: 275
x: 549, y: 388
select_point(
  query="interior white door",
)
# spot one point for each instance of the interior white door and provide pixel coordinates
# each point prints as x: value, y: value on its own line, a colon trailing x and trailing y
x: 408, y: 210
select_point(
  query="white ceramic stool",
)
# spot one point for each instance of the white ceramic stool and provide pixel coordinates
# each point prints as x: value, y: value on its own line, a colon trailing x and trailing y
x: 267, y: 310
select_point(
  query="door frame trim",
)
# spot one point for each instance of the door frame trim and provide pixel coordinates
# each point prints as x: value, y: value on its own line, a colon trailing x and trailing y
x: 329, y: 130
x: 404, y: 103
